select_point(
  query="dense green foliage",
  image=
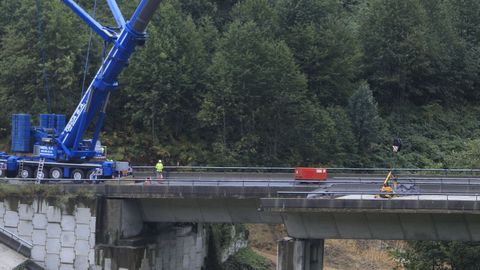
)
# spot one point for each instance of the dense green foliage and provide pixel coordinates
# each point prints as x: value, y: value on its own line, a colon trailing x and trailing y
x: 54, y: 195
x: 246, y: 259
x: 256, y: 82
x: 426, y: 255
x: 220, y: 238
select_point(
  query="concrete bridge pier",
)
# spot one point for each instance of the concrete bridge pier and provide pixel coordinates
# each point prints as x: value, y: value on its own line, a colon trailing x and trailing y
x: 300, y: 254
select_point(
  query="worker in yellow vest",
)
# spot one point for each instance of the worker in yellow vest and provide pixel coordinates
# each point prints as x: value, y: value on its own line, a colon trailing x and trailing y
x: 159, y: 169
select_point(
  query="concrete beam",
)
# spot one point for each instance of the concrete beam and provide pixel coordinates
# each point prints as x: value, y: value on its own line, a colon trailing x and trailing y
x: 214, y: 210
x: 192, y: 190
x: 385, y: 226
x: 370, y: 205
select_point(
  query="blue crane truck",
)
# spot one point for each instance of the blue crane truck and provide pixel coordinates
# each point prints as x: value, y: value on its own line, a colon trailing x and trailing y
x: 53, y: 150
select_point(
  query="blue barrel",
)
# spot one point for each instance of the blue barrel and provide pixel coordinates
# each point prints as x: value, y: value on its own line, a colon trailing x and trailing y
x: 21, y: 132
x: 44, y: 119
x: 47, y: 120
x: 51, y: 121
x: 60, y: 122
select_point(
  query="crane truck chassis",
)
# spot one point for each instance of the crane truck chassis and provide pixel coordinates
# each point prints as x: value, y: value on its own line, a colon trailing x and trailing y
x: 59, y: 154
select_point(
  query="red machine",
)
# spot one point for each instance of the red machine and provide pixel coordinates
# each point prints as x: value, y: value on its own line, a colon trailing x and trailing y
x: 302, y: 173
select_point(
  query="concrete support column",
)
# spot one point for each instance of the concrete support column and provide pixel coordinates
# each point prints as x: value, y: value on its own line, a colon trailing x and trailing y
x: 118, y: 219
x: 300, y: 254
x: 120, y: 242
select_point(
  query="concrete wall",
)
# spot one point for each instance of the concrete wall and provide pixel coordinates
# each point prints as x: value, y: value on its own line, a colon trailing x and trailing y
x: 109, y: 234
x: 173, y: 247
x: 61, y: 240
x: 181, y: 248
x: 127, y: 241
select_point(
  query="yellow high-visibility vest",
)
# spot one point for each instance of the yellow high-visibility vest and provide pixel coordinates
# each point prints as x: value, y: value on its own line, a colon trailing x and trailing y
x: 159, y: 167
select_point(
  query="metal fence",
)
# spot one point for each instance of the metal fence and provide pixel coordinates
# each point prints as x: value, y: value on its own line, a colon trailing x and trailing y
x: 334, y: 170
x: 369, y: 195
x: 440, y: 183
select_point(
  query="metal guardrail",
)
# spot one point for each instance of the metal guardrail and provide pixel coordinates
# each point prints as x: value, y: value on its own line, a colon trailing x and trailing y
x: 216, y: 168
x: 407, y: 170
x: 445, y: 171
x: 253, y: 168
x: 439, y: 182
x: 363, y: 195
x: 371, y: 180
x: 356, y: 186
x: 15, y: 237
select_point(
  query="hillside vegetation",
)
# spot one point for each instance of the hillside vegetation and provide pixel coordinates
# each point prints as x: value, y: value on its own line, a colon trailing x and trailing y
x: 270, y: 83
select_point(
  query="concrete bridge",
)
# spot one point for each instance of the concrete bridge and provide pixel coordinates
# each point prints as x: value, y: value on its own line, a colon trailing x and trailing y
x: 123, y: 212
x: 335, y: 215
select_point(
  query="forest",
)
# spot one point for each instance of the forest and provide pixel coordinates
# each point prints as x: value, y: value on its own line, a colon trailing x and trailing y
x: 262, y: 83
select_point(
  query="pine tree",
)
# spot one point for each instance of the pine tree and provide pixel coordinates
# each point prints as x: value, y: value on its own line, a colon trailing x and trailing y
x: 257, y: 94
x: 321, y: 35
x: 163, y: 85
x: 395, y: 49
x: 366, y: 122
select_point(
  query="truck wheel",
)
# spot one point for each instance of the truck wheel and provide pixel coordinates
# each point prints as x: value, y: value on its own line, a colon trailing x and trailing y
x: 56, y: 173
x: 26, y: 172
x: 39, y: 175
x: 78, y: 175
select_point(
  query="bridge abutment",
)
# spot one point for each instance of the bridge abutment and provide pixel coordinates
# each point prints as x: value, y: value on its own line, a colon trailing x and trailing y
x: 300, y: 254
x: 126, y: 241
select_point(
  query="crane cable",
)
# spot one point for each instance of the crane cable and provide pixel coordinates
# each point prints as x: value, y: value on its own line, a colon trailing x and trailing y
x: 85, y: 68
x: 43, y: 56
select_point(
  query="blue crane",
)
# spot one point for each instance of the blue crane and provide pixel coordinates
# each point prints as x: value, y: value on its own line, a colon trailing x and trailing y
x: 66, y: 153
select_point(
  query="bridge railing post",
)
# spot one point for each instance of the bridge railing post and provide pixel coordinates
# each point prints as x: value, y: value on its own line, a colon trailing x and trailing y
x: 441, y: 184
x: 243, y: 186
x: 269, y: 189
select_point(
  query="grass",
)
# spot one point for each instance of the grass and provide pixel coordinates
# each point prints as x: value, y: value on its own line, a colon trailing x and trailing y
x: 246, y: 259
x: 359, y: 254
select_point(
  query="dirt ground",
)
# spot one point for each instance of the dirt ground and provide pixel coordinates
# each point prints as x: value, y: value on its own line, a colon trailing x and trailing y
x: 339, y: 254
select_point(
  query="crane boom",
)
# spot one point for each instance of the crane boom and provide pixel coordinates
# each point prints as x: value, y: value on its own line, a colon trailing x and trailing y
x: 91, y: 109
x: 60, y: 151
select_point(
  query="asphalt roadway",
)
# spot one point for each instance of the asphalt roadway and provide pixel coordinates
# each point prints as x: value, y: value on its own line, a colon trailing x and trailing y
x: 335, y: 185
x: 348, y: 184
